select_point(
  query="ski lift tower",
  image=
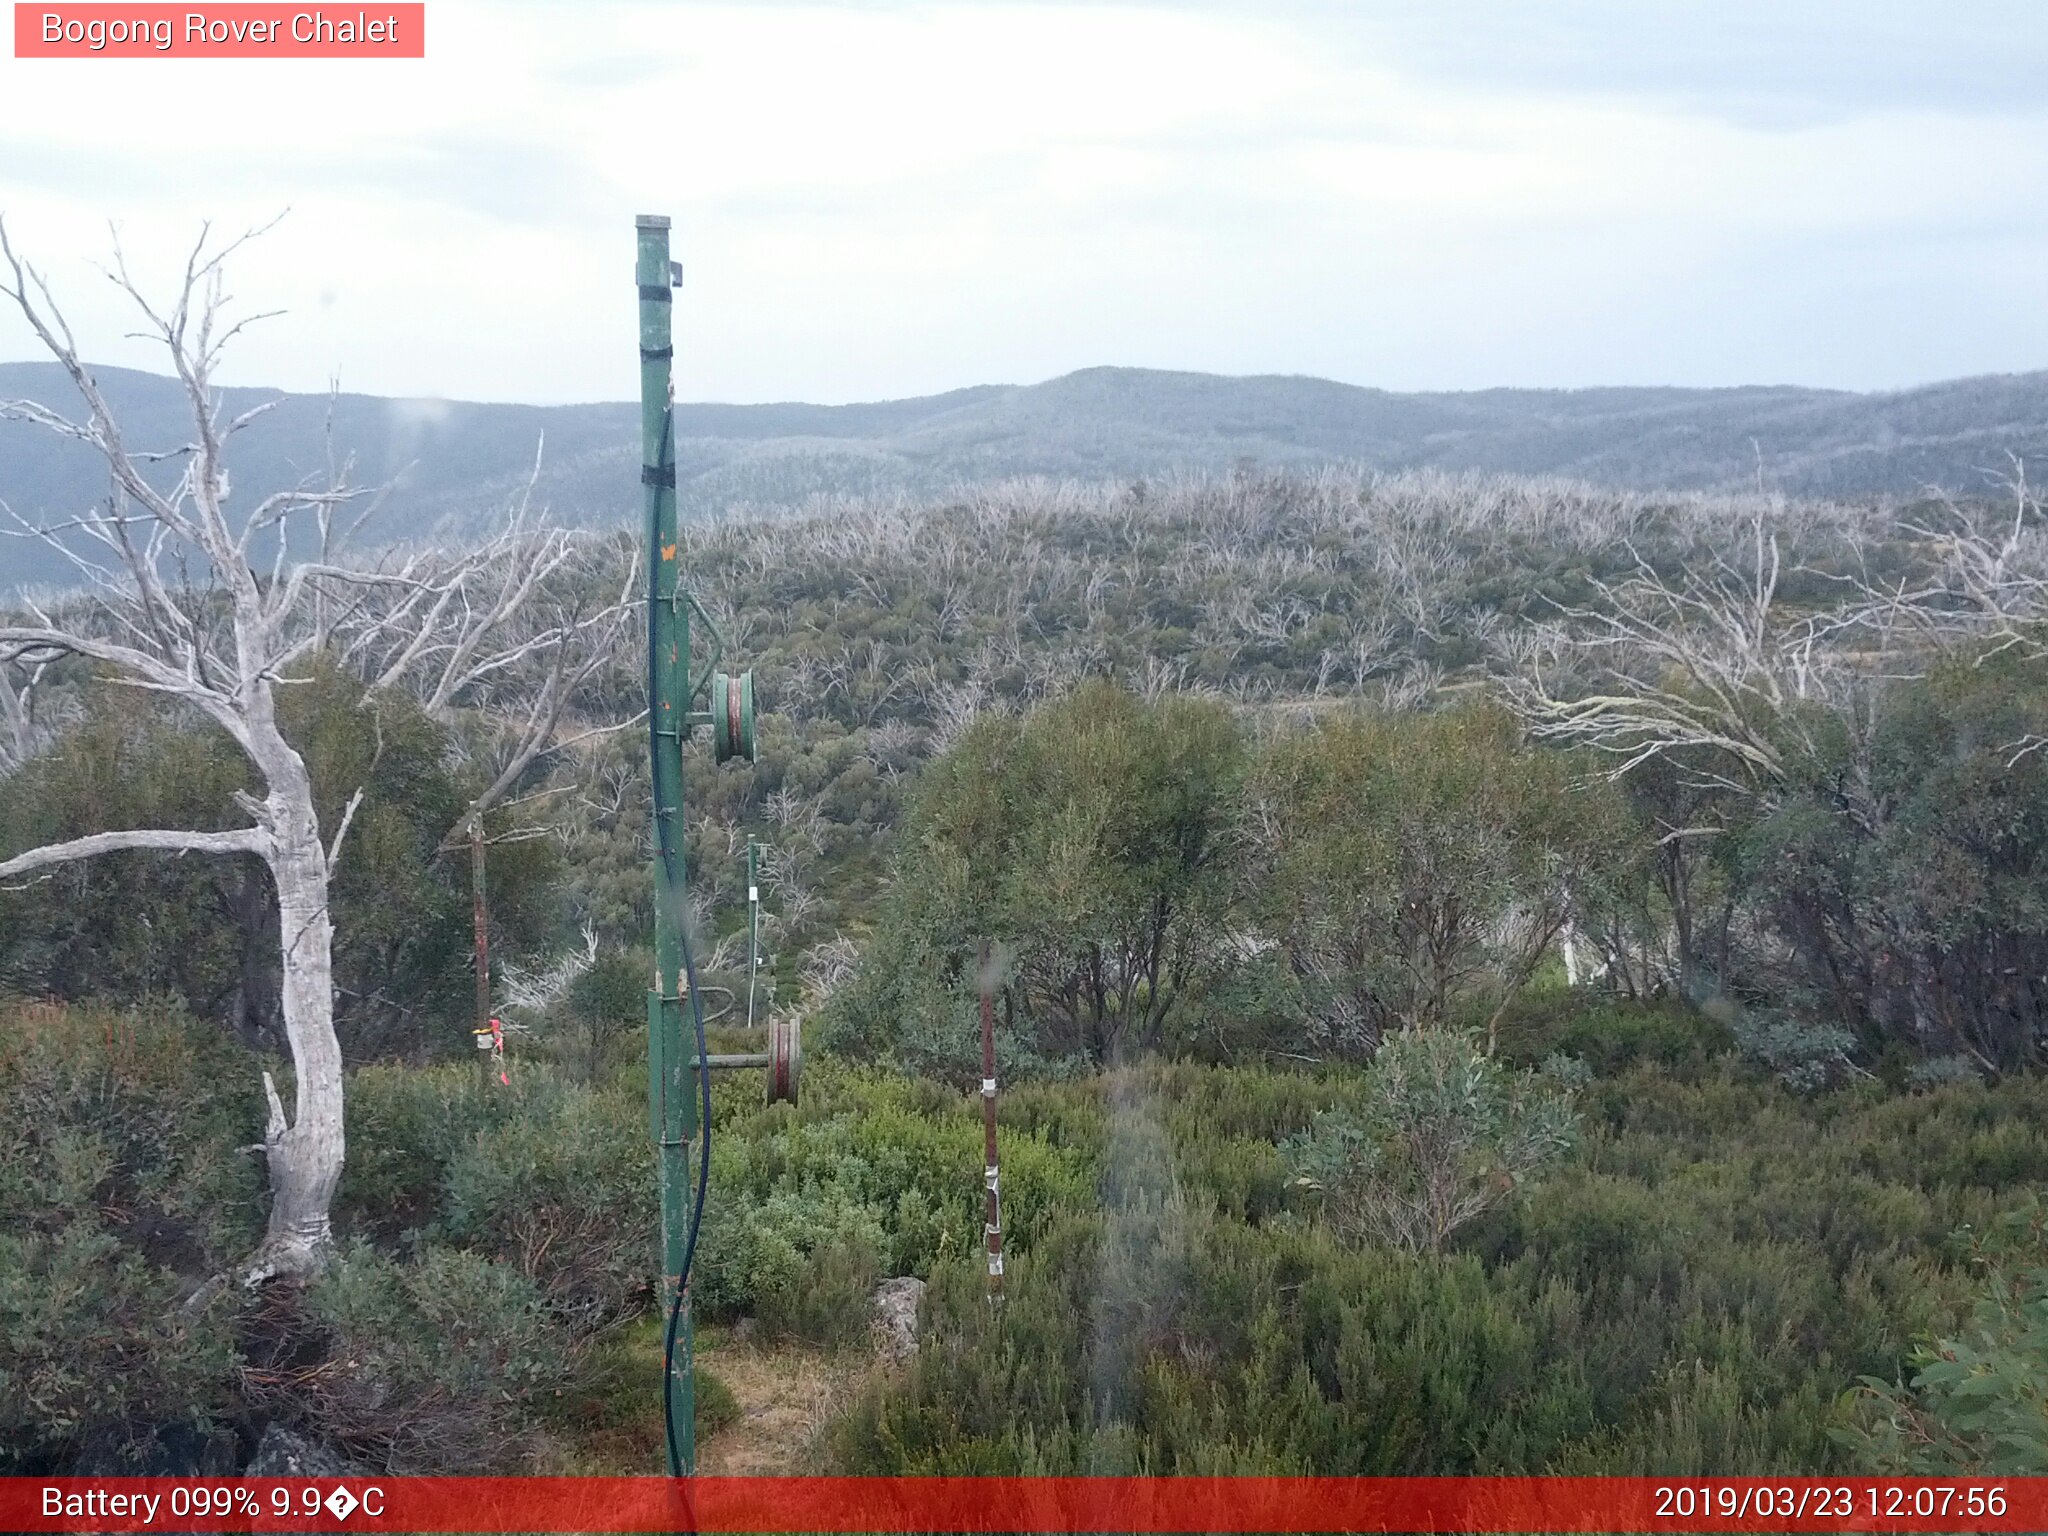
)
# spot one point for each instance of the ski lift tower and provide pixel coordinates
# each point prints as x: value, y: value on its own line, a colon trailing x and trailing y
x: 677, y: 1058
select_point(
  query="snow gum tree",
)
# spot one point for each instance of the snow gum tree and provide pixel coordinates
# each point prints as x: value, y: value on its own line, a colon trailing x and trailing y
x: 217, y: 604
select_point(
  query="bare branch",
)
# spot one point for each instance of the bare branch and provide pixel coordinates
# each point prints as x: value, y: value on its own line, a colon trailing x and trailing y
x: 348, y: 815
x: 254, y: 840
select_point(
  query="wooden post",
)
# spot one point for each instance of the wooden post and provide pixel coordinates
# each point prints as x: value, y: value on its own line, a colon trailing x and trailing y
x: 992, y: 1225
x: 481, y: 916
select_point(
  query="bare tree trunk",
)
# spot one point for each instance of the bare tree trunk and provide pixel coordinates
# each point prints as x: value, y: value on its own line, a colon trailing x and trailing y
x: 305, y: 1155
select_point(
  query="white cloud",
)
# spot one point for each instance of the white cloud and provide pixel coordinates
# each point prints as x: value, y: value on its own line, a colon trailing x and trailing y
x: 881, y: 200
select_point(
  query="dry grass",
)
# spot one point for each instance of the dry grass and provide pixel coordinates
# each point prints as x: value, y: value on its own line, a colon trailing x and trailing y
x: 788, y: 1396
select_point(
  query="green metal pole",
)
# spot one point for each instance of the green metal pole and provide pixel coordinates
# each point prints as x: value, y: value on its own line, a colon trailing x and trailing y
x: 671, y: 1066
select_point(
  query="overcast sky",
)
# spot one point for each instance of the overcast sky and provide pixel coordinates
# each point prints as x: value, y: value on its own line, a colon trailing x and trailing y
x: 875, y: 200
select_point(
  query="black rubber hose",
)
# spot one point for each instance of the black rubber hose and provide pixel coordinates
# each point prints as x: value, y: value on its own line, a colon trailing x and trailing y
x: 663, y: 834
x: 675, y: 1310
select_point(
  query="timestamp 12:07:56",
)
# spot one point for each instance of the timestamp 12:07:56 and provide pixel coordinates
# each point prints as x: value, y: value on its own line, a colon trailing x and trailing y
x: 1829, y: 1500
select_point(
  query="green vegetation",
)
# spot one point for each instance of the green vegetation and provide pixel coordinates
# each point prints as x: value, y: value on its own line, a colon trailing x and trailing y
x: 1384, y: 1089
x: 1975, y: 1401
x: 131, y: 926
x: 1909, y: 873
x: 1091, y: 838
x: 1445, y: 1134
x: 119, y: 1179
x: 1695, y: 1287
x: 1418, y: 869
x: 1692, y: 1291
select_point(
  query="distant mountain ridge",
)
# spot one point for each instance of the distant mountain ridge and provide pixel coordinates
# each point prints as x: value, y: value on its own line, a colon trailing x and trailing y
x: 455, y: 462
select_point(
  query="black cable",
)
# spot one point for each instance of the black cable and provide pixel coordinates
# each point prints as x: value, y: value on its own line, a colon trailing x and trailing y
x: 675, y: 1310
x: 664, y: 843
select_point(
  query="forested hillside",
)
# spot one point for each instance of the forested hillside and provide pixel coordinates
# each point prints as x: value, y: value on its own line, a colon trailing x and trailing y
x: 451, y: 463
x: 1493, y: 975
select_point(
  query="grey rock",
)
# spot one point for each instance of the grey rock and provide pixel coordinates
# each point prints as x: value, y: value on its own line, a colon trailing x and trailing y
x: 896, y: 1307
x: 287, y: 1453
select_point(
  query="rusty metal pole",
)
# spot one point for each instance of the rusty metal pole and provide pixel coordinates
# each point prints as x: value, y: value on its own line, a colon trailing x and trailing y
x: 992, y: 1225
x: 753, y: 929
x: 481, y: 916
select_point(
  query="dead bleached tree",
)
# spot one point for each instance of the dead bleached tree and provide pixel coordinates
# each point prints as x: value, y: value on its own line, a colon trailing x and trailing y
x: 1709, y: 668
x: 23, y: 731
x: 214, y: 610
x: 1712, y: 688
x: 502, y: 639
x: 1990, y: 576
x: 1988, y: 591
x: 176, y: 606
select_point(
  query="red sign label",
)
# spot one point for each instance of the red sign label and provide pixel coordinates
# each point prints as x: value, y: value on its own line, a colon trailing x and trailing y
x: 1056, y: 1506
x: 230, y: 31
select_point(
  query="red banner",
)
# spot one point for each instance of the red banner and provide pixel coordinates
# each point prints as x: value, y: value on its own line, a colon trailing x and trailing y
x: 1034, y: 1504
x: 224, y: 31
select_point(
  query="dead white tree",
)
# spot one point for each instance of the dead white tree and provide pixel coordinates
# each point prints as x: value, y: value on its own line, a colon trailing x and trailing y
x: 504, y: 637
x: 1710, y: 667
x: 22, y: 730
x: 222, y: 649
x: 1988, y: 591
x: 1714, y: 675
x: 214, y: 609
x: 497, y: 641
x: 1990, y: 580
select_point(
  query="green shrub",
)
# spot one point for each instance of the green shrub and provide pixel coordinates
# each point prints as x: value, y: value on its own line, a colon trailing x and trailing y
x: 1093, y: 837
x: 716, y: 1406
x: 1444, y: 1134
x: 829, y: 1300
x: 800, y: 1260
x: 1943, y: 1071
x: 1611, y: 1034
x: 1691, y: 1293
x: 559, y: 1183
x: 435, y: 1365
x: 1921, y: 927
x: 122, y: 1189
x: 404, y: 1126
x: 906, y: 1151
x: 163, y: 1103
x: 97, y: 1349
x: 607, y: 1002
x: 1159, y: 1338
x: 1977, y: 1404
x: 550, y: 1176
x: 1413, y: 867
x: 1806, y: 1057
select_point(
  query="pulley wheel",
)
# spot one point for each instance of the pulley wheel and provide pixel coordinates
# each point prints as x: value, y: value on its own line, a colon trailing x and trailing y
x: 732, y: 716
